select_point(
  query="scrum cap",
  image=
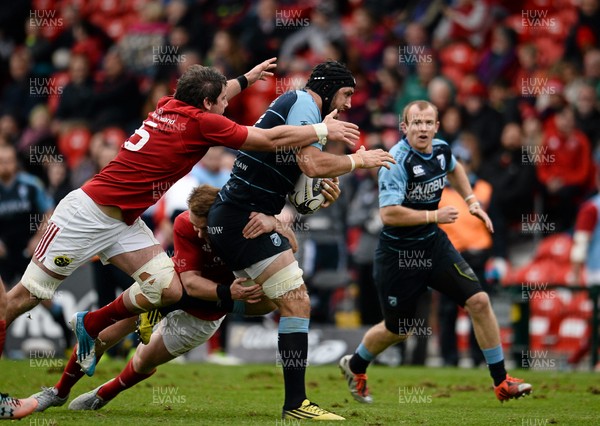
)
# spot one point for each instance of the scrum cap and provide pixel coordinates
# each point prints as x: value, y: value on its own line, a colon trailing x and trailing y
x: 326, y: 79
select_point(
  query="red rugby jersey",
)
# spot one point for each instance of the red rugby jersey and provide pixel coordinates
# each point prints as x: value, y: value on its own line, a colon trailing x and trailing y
x: 169, y: 143
x: 195, y: 254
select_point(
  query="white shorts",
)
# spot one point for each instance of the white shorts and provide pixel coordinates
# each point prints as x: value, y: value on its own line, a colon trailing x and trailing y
x: 182, y: 332
x: 78, y: 230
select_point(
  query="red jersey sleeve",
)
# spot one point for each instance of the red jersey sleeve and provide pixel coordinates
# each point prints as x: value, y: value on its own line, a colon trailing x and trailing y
x: 185, y: 239
x: 219, y: 130
x: 587, y: 218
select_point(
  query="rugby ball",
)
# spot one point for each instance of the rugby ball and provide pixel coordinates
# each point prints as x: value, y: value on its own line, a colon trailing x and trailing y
x: 306, y: 197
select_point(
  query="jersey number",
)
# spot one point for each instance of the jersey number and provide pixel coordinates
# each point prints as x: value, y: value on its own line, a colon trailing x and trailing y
x: 143, y: 138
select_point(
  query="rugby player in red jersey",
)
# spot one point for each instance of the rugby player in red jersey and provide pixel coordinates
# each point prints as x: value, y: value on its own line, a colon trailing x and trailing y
x: 210, y: 292
x: 102, y: 217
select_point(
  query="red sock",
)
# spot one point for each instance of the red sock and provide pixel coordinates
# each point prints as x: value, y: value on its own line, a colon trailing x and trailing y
x: 128, y: 378
x: 96, y: 321
x: 71, y: 375
x: 2, y: 333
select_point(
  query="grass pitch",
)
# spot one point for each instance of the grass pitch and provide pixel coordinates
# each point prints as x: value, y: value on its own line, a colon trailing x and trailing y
x: 202, y: 394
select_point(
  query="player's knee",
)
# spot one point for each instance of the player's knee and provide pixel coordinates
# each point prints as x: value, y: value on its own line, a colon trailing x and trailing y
x: 478, y: 303
x: 157, y: 282
x: 173, y: 293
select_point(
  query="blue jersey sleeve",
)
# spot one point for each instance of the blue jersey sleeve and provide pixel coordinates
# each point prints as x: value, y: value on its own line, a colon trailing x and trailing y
x: 392, y: 185
x: 303, y: 112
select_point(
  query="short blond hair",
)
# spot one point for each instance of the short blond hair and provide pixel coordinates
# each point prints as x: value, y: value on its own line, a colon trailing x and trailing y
x: 422, y: 105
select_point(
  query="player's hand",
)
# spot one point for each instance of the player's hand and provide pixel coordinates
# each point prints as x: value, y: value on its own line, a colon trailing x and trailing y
x: 261, y: 71
x: 250, y: 294
x: 331, y: 191
x: 374, y: 158
x: 341, y: 131
x: 259, y: 224
x: 476, y: 210
x: 447, y: 214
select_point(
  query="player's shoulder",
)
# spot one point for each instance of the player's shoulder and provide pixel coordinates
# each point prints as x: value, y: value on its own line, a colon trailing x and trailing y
x: 182, y: 224
x: 401, y: 150
x: 440, y: 143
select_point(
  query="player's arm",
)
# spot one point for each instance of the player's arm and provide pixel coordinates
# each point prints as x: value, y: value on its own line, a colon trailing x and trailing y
x: 316, y: 163
x: 298, y: 136
x: 202, y: 288
x: 392, y: 190
x: 460, y: 182
x: 259, y: 72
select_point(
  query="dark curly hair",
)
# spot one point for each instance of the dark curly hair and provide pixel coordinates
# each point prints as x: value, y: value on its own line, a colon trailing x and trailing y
x: 199, y: 83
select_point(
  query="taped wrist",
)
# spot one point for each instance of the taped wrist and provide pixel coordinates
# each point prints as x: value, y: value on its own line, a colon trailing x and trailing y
x: 321, y: 130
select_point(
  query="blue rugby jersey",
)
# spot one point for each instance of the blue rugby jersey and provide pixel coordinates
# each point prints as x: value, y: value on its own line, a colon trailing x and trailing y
x: 416, y: 182
x: 260, y: 181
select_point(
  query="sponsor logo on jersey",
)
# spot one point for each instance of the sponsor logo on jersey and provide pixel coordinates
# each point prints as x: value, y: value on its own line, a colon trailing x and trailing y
x: 424, y: 191
x: 418, y: 170
x: 62, y: 261
x: 393, y: 301
x: 275, y: 239
x: 442, y: 161
x: 214, y: 230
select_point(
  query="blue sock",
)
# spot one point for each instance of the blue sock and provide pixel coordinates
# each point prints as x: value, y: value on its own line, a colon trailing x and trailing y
x: 361, y: 360
x: 494, y: 357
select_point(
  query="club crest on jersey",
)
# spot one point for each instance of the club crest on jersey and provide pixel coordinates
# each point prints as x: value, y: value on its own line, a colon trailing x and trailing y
x: 275, y: 239
x: 442, y: 161
x: 62, y: 261
x: 393, y: 301
x: 418, y: 170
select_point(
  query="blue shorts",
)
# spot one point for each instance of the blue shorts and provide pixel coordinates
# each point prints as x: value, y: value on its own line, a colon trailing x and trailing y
x: 402, y: 272
x: 225, y: 225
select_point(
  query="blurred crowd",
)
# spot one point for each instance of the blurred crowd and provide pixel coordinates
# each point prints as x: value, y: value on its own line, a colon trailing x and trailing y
x: 517, y: 86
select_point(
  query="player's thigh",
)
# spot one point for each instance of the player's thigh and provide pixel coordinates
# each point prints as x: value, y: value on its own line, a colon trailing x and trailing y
x: 76, y: 232
x: 452, y: 275
x: 136, y: 247
x: 181, y: 332
x: 398, y: 290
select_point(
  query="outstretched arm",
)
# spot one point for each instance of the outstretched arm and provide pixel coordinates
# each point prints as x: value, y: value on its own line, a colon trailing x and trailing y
x: 316, y: 163
x: 298, y: 136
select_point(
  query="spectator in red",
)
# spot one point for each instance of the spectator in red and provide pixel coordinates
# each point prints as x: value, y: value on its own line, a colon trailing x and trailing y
x: 467, y: 19
x: 564, y: 167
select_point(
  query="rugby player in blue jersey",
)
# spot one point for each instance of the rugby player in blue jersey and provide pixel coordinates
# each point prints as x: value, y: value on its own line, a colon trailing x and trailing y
x: 260, y: 182
x: 414, y: 253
